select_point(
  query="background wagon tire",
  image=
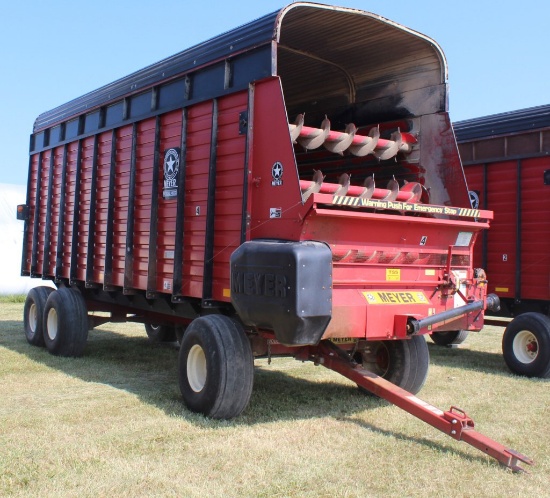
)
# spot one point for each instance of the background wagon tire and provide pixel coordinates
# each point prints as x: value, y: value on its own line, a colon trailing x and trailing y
x: 33, y: 313
x: 65, y: 323
x: 160, y: 333
x: 404, y: 363
x: 216, y: 367
x: 526, y: 345
x: 451, y: 338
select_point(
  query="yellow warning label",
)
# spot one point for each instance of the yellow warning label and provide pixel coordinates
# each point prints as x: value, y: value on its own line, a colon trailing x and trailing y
x: 395, y: 297
x: 393, y: 274
x: 501, y: 289
x: 226, y: 293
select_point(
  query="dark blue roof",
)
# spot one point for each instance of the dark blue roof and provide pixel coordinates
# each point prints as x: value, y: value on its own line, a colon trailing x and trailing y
x: 532, y: 118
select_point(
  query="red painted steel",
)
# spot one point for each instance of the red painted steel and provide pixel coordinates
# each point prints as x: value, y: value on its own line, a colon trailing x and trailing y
x: 84, y: 207
x: 44, y: 189
x: 68, y: 209
x: 453, y: 422
x: 502, y: 184
x: 32, y: 187
x: 55, y: 191
x: 535, y: 230
x: 231, y: 148
x: 121, y: 190
x: 170, y: 137
x: 199, y: 135
x: 142, y: 202
x: 275, y: 210
x: 101, y: 207
x: 502, y: 245
x: 361, y: 262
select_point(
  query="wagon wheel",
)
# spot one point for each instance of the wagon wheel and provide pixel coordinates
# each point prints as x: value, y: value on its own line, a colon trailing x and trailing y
x: 451, y: 338
x: 526, y: 345
x: 404, y: 363
x: 160, y: 333
x: 216, y: 367
x: 66, y: 322
x: 33, y: 313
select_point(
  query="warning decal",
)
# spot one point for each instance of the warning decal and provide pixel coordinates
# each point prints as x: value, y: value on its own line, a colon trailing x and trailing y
x: 358, y: 202
x: 395, y: 297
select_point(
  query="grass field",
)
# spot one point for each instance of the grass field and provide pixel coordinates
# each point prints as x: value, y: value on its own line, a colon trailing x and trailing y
x: 112, y: 424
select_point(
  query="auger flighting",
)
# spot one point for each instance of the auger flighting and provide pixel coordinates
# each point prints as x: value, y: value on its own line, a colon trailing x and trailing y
x: 349, y: 140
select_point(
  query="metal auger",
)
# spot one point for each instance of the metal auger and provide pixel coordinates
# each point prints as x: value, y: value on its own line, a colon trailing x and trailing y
x: 358, y: 145
x: 410, y: 192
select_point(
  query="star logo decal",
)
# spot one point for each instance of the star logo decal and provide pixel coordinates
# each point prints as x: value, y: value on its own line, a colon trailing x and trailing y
x: 171, y: 164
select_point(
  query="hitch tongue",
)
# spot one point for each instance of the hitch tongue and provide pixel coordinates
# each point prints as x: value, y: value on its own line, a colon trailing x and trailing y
x: 454, y: 422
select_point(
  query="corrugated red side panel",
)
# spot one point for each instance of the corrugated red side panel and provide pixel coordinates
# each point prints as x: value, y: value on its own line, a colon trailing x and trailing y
x: 86, y: 166
x: 501, y: 246
x: 170, y: 137
x: 230, y: 154
x: 535, y: 230
x: 32, y: 185
x: 142, y: 203
x: 42, y: 205
x: 199, y: 134
x: 55, y: 192
x: 68, y: 208
x: 120, y: 215
x: 101, y: 205
x: 229, y: 190
x: 502, y: 184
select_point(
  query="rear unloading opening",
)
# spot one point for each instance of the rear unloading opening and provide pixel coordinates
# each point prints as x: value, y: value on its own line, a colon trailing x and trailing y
x: 359, y: 70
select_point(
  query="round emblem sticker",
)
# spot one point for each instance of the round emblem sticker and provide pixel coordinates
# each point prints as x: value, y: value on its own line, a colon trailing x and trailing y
x: 277, y: 174
x: 171, y: 164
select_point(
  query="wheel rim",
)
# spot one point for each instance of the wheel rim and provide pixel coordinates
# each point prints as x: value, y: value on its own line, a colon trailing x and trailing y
x: 196, y: 368
x: 33, y: 317
x: 52, y: 324
x: 376, y: 359
x: 525, y: 346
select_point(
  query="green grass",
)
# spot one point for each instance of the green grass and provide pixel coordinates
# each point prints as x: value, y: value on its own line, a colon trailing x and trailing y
x: 112, y: 424
x: 12, y: 298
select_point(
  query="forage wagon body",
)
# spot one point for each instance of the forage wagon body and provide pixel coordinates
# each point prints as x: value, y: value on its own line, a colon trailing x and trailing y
x: 291, y: 187
x: 292, y: 181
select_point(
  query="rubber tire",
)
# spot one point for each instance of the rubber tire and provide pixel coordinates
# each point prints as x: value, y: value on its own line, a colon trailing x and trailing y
x: 404, y: 363
x: 449, y: 338
x: 33, y: 313
x: 65, y: 323
x: 160, y: 333
x: 229, y: 367
x: 528, y: 326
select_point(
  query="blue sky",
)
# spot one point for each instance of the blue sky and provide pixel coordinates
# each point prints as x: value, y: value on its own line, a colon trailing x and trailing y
x: 54, y: 51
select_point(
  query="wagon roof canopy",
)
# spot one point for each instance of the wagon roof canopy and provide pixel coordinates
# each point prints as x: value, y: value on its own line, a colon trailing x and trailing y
x: 351, y: 52
x: 505, y: 123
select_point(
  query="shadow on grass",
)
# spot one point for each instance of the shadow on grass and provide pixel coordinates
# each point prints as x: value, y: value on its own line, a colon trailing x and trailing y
x: 467, y: 359
x: 441, y: 447
x: 149, y: 371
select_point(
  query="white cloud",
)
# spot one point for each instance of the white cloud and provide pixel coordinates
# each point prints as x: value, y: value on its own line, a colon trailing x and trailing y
x: 11, y: 242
